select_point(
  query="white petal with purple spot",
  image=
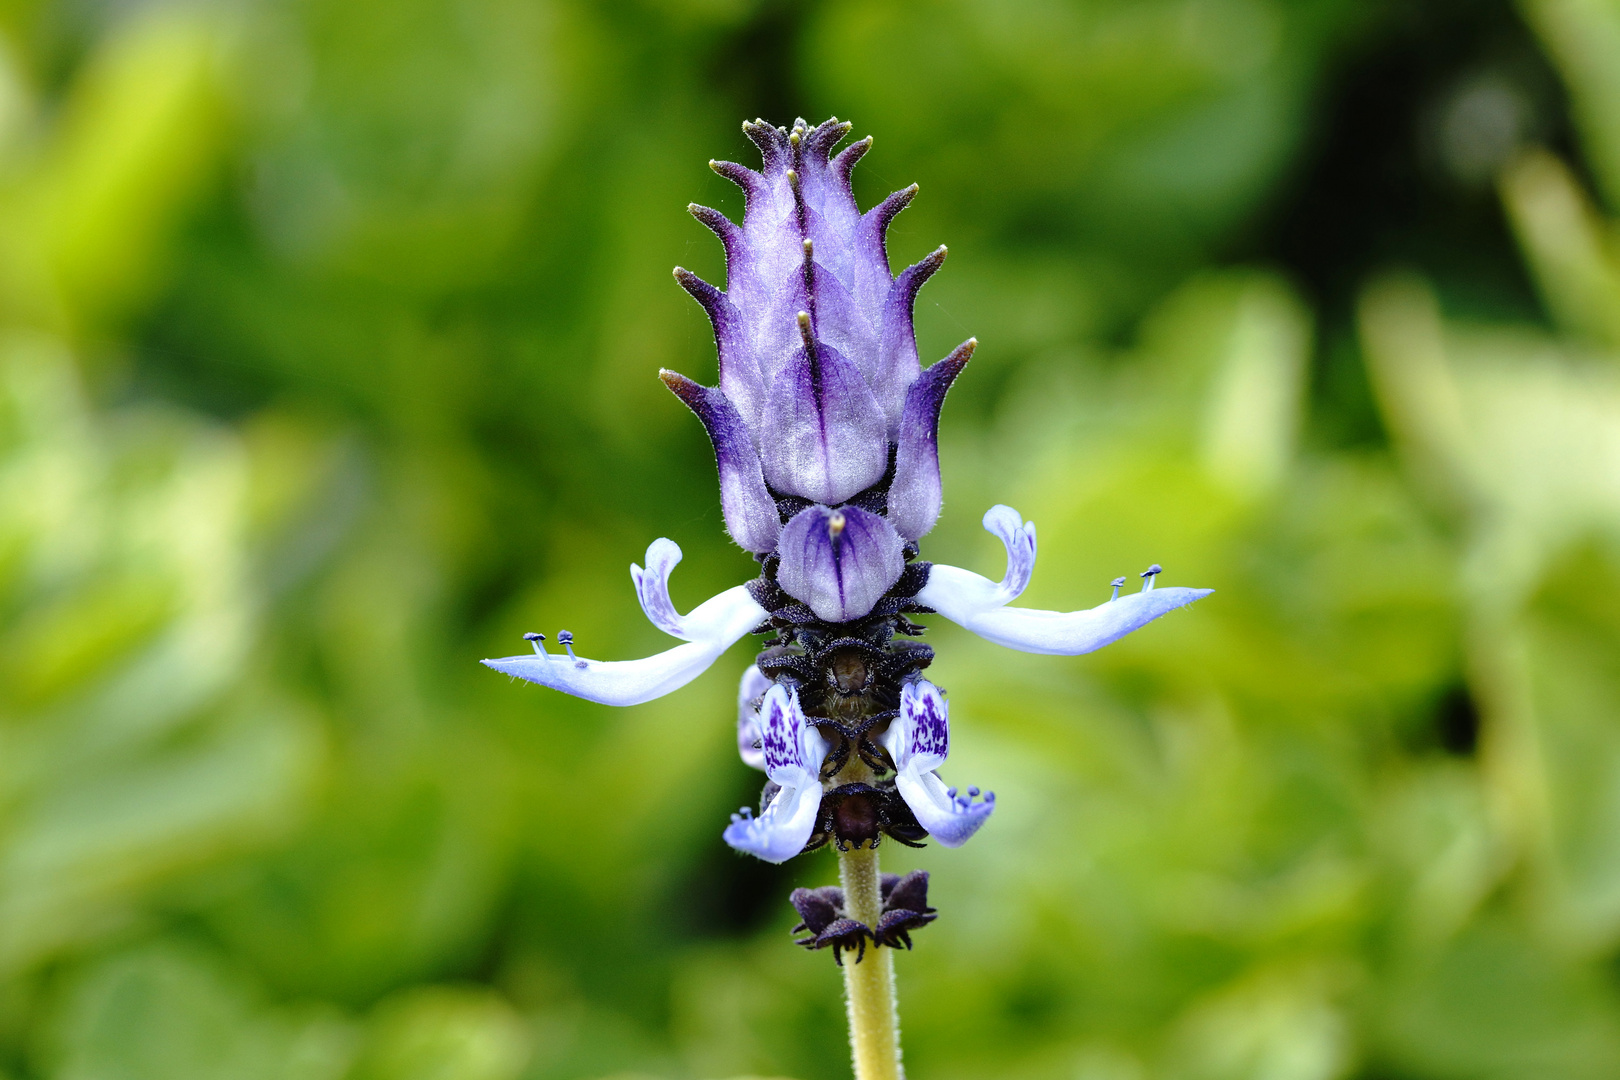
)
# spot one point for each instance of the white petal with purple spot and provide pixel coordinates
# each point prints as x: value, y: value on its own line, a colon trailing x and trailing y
x: 793, y: 751
x: 918, y: 741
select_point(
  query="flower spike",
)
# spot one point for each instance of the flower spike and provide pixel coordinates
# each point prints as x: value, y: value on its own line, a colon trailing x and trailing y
x: 825, y: 430
x: 978, y: 604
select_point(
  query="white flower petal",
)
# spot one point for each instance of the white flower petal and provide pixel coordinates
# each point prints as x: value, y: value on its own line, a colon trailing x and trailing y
x: 948, y: 819
x: 782, y: 830
x: 979, y: 604
x: 750, y: 744
x: 712, y: 627
x: 1058, y: 633
x: 652, y: 587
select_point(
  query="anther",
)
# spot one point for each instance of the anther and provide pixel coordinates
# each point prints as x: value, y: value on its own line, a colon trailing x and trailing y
x: 835, y: 524
x: 973, y: 793
x: 950, y: 793
x: 535, y: 639
x: 1149, y: 574
x: 1118, y: 583
x: 566, y: 640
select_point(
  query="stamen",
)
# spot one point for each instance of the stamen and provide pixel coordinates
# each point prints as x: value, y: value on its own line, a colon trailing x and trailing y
x: 535, y: 639
x: 950, y: 793
x: 1149, y: 574
x: 566, y: 640
x: 973, y: 792
x: 1118, y: 583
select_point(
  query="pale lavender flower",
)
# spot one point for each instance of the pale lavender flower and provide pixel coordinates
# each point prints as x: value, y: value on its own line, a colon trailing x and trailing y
x: 825, y: 430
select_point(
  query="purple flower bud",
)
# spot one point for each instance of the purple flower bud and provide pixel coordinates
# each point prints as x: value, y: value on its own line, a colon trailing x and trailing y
x: 839, y: 562
x: 828, y: 439
x: 817, y: 352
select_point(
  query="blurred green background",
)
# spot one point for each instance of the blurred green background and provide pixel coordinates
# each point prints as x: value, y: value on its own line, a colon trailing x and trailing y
x: 328, y: 335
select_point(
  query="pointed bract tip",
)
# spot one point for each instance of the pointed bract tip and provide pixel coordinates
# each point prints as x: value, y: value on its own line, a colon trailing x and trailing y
x: 679, y: 385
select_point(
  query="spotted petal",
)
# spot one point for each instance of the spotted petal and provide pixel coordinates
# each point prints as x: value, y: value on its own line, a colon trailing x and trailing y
x: 918, y: 741
x: 978, y: 604
x: 794, y: 751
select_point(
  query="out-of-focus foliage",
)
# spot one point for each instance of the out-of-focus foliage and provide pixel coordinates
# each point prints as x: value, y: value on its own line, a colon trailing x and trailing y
x: 328, y: 335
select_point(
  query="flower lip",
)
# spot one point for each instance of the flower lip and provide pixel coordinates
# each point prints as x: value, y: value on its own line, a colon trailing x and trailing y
x: 709, y: 630
x: 979, y: 605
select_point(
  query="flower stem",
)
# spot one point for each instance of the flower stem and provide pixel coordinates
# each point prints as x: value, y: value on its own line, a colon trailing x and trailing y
x: 874, y: 1018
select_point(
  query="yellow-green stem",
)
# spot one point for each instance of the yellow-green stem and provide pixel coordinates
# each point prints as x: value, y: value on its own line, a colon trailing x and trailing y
x: 874, y: 1019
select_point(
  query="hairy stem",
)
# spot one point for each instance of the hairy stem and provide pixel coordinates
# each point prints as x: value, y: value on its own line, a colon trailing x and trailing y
x: 874, y: 1018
